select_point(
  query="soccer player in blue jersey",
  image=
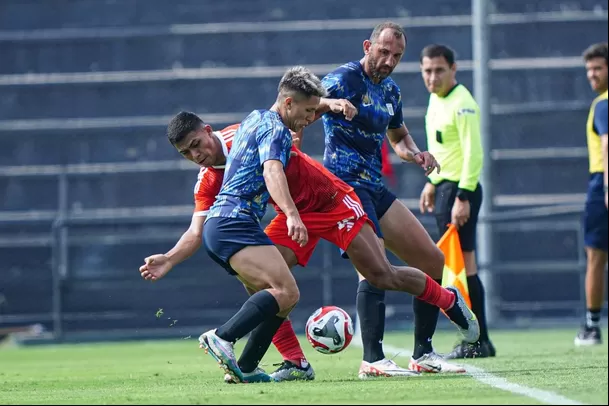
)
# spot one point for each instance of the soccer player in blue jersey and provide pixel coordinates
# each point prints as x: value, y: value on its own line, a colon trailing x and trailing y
x: 353, y: 153
x: 254, y: 172
x: 232, y: 233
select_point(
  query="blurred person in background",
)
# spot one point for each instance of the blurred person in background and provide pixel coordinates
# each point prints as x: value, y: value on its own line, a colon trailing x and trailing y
x: 452, y: 125
x: 595, y: 212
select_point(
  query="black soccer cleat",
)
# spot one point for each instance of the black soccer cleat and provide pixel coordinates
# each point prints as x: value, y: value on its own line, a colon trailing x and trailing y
x: 588, y: 336
x: 480, y: 349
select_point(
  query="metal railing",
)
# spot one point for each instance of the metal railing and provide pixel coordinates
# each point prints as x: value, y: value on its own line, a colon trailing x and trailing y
x: 65, y: 219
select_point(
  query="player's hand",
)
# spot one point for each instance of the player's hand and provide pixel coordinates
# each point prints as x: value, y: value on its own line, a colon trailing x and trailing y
x: 297, y: 230
x: 427, y: 202
x: 427, y: 161
x: 296, y: 137
x: 460, y: 213
x: 155, y: 267
x: 343, y: 106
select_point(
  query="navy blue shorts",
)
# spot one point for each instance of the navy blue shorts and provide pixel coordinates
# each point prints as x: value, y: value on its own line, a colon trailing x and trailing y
x: 595, y: 214
x: 225, y: 236
x: 375, y: 205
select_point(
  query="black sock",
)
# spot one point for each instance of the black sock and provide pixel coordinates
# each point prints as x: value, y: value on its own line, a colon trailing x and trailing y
x: 476, y: 296
x: 425, y: 322
x: 260, y: 306
x: 593, y: 318
x: 258, y: 343
x: 370, y: 303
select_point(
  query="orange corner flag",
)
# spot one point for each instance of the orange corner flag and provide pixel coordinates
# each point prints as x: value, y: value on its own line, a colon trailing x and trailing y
x: 454, y: 266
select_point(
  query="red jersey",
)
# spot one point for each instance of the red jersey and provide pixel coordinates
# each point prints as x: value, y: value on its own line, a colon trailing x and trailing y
x: 387, y: 165
x: 312, y: 187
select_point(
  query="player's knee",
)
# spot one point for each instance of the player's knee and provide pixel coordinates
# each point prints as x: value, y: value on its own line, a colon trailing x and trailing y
x: 287, y: 296
x: 291, y: 298
x: 382, y: 280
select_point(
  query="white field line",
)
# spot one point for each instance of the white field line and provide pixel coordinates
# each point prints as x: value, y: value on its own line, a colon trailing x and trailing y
x: 486, y: 378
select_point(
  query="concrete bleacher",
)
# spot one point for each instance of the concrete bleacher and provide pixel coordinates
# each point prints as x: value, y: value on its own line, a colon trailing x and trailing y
x: 88, y: 91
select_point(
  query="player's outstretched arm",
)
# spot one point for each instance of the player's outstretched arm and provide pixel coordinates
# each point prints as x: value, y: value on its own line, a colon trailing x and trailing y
x: 277, y: 185
x: 158, y: 265
x: 405, y: 147
x: 336, y: 106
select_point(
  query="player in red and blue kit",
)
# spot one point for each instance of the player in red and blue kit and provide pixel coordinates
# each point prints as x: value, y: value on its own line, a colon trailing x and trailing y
x: 353, y: 153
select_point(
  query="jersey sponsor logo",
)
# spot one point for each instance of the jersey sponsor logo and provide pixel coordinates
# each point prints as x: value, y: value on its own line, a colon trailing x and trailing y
x: 390, y: 109
x: 366, y: 100
x: 466, y: 111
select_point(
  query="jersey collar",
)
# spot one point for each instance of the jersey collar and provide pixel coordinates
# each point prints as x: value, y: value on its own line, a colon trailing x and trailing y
x: 224, y: 149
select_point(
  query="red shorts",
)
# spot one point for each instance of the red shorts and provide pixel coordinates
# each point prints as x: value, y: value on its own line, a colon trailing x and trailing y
x: 338, y: 226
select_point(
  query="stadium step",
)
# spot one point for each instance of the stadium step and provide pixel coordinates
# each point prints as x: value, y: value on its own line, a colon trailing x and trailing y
x: 158, y: 48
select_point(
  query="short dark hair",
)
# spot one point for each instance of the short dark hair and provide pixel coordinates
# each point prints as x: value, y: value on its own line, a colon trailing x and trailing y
x: 181, y: 125
x: 397, y: 29
x: 596, y: 51
x: 300, y: 81
x: 438, y: 50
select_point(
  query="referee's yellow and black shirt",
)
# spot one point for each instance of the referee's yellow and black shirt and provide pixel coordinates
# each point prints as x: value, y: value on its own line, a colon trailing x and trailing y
x: 452, y: 124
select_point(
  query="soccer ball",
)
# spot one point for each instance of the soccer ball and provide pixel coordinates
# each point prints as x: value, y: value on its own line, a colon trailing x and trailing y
x: 329, y: 329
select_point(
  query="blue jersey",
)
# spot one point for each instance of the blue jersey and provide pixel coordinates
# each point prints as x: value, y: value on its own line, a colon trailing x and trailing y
x: 353, y: 148
x: 262, y: 136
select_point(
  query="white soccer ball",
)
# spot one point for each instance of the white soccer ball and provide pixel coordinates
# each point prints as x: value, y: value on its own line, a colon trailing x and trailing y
x: 329, y: 329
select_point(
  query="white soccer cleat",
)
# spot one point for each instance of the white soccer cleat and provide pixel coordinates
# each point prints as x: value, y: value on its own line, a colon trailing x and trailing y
x: 384, y: 368
x: 435, y: 364
x: 463, y: 317
x: 222, y: 351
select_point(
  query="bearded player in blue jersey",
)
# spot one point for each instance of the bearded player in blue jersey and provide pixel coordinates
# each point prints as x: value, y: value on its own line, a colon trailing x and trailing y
x: 353, y: 153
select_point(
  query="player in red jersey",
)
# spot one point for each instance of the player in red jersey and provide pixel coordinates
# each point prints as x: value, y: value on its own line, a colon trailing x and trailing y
x: 329, y: 209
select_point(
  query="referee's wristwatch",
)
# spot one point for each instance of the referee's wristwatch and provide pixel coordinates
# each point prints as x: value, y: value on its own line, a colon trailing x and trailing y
x: 463, y: 195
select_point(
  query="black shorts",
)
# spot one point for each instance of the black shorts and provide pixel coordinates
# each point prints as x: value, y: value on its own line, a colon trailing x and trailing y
x: 446, y: 193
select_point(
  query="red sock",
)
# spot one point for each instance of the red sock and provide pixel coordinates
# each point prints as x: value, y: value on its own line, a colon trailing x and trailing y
x: 437, y: 295
x: 287, y: 344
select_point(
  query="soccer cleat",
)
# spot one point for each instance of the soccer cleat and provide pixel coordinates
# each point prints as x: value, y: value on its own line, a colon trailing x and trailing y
x: 588, y: 336
x: 480, y: 349
x: 288, y: 371
x: 384, y: 368
x: 222, y: 351
x: 463, y: 318
x: 435, y: 364
x: 256, y: 376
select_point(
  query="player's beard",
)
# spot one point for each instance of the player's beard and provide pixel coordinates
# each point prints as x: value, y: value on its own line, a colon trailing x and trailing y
x: 376, y: 74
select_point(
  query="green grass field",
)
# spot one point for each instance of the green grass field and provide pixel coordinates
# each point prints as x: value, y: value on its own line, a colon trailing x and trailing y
x: 539, y: 364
